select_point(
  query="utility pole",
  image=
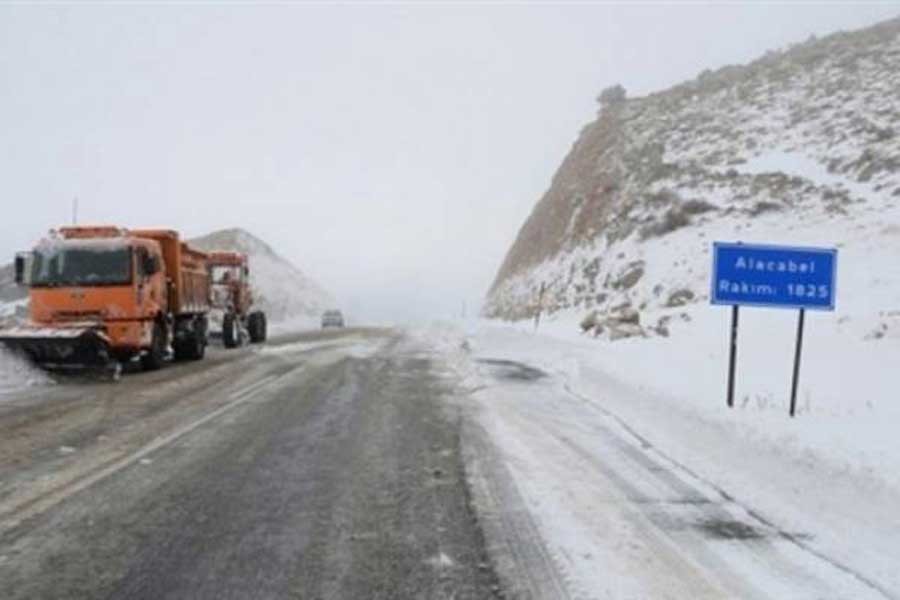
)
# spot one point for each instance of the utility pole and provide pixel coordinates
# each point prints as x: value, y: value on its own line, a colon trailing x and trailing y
x: 75, y: 210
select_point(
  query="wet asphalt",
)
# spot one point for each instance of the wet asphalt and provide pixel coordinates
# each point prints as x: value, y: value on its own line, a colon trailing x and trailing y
x: 332, y: 474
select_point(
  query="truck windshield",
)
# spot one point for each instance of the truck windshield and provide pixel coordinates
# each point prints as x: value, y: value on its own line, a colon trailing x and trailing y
x: 225, y: 274
x: 88, y: 265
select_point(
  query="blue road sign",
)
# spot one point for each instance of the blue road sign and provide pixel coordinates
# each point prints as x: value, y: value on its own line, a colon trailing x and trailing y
x: 774, y: 276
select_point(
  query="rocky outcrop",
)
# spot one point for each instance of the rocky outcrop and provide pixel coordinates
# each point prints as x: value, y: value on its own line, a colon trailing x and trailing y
x: 802, y: 135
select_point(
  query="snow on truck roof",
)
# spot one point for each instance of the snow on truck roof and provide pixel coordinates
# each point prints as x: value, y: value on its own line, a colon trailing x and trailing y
x: 94, y: 244
x: 112, y: 231
x: 90, y: 232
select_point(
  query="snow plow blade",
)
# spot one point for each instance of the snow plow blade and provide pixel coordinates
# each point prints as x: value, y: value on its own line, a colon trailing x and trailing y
x: 62, y: 349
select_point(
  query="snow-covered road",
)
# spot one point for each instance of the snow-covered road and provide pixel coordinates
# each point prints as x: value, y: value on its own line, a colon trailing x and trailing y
x: 589, y: 487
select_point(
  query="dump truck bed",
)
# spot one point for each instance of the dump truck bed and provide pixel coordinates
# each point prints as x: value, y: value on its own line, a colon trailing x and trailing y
x: 186, y: 269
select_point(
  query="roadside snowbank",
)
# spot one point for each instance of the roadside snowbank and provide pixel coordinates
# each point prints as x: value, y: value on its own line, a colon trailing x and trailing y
x: 16, y: 374
x: 847, y: 397
x: 832, y: 471
x: 294, y: 325
x: 14, y: 308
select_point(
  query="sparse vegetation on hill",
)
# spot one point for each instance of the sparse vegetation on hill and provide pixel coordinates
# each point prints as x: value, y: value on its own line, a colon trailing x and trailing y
x: 801, y: 143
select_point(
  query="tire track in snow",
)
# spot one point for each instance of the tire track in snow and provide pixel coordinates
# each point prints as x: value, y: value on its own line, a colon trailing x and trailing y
x: 627, y: 502
x: 761, y: 520
x: 519, y: 551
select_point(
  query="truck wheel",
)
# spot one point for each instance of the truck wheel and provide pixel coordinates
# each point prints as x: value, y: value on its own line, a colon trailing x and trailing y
x: 154, y: 357
x: 231, y: 331
x: 192, y: 346
x: 197, y: 346
x: 258, y: 327
x: 200, y: 340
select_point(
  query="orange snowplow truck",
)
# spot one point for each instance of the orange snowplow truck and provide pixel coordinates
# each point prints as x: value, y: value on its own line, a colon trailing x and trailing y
x: 102, y: 296
x: 232, y: 300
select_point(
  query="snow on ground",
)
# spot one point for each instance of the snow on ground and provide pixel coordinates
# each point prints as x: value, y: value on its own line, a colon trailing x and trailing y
x: 847, y: 384
x: 847, y: 395
x: 355, y: 346
x: 295, y: 324
x: 827, y: 481
x: 16, y: 374
x: 296, y: 347
x: 12, y: 309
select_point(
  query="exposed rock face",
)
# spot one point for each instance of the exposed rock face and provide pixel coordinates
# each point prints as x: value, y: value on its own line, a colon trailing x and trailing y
x: 801, y: 137
x: 680, y: 297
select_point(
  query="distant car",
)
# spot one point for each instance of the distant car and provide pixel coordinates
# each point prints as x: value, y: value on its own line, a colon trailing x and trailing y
x: 332, y: 318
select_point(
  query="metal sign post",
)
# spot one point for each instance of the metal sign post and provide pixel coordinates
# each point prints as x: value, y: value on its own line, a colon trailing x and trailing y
x: 773, y: 277
x: 797, y: 350
x: 732, y: 357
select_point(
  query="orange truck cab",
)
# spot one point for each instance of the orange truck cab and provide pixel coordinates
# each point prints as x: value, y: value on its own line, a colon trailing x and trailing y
x: 106, y: 295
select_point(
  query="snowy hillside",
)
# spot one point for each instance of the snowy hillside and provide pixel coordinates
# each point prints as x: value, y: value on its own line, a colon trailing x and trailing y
x: 12, y: 297
x: 280, y: 288
x: 9, y: 291
x: 799, y: 147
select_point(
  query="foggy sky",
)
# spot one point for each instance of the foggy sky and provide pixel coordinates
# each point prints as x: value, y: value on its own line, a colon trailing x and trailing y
x: 392, y: 152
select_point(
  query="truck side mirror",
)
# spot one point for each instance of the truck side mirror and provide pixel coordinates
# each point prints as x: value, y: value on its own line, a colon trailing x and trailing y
x: 151, y: 264
x: 21, y: 264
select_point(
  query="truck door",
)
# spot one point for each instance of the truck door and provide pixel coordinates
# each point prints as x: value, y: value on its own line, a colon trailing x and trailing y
x: 150, y: 293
